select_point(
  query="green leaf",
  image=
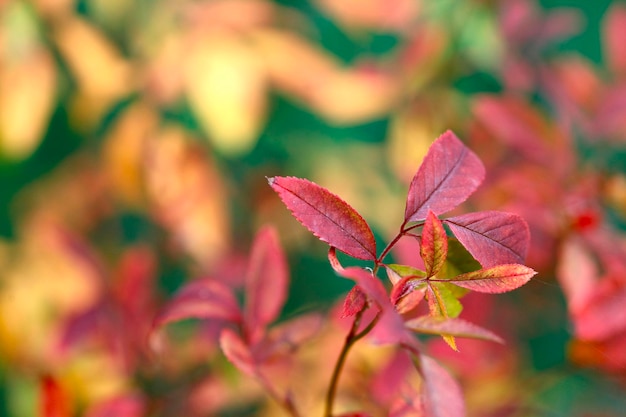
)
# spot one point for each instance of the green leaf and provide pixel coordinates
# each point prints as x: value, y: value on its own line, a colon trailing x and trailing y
x: 459, y: 260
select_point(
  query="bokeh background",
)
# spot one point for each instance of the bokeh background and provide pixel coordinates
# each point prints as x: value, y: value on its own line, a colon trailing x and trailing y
x: 135, y: 141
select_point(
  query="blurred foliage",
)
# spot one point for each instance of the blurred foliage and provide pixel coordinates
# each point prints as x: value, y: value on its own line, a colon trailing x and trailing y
x: 135, y: 138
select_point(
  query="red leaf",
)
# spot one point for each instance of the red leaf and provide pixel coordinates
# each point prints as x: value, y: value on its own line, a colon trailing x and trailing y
x: 614, y: 33
x: 201, y: 299
x: 449, y: 174
x: 492, y: 237
x: 54, y: 400
x: 327, y: 216
x: 497, y: 279
x: 266, y: 282
x: 434, y: 244
x: 237, y: 352
x: 407, y: 293
x: 451, y: 327
x: 355, y: 302
x: 443, y: 396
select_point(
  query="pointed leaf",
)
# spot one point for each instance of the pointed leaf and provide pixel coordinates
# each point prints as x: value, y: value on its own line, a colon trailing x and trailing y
x: 447, y: 297
x: 449, y: 174
x: 266, y: 282
x: 237, y: 352
x: 434, y: 244
x: 443, y: 304
x: 497, y: 279
x: 327, y: 216
x: 492, y: 237
x: 355, y: 302
x: 451, y: 327
x: 201, y: 299
x: 443, y: 396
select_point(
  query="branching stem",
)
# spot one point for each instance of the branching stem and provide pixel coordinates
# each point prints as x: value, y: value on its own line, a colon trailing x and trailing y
x: 351, y: 338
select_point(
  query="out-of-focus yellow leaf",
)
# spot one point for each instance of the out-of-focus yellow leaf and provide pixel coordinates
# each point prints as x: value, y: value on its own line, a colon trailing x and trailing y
x: 103, y: 75
x: 92, y: 376
x: 27, y: 94
x: 54, y: 7
x: 413, y: 130
x: 355, y: 96
x: 188, y: 195
x: 226, y: 85
x: 341, y: 95
x: 45, y: 282
x: 124, y: 152
x: 294, y: 65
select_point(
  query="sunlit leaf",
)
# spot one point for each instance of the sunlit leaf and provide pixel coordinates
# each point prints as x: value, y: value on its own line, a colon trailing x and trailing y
x: 451, y: 327
x: 492, y: 237
x: 327, y: 216
x: 497, y: 279
x: 434, y: 244
x: 449, y: 174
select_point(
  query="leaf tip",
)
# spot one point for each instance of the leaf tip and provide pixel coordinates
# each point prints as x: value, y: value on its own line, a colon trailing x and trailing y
x: 270, y: 180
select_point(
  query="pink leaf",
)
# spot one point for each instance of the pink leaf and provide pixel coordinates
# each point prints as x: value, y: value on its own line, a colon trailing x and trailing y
x: 237, y: 352
x: 120, y: 406
x: 201, y: 299
x: 577, y: 273
x: 390, y: 328
x: 497, y: 279
x: 327, y: 216
x: 605, y: 315
x: 266, y: 282
x: 434, y: 245
x: 449, y: 174
x: 492, y: 237
x: 614, y: 33
x: 287, y: 337
x: 451, y: 327
x: 355, y: 302
x: 443, y: 396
